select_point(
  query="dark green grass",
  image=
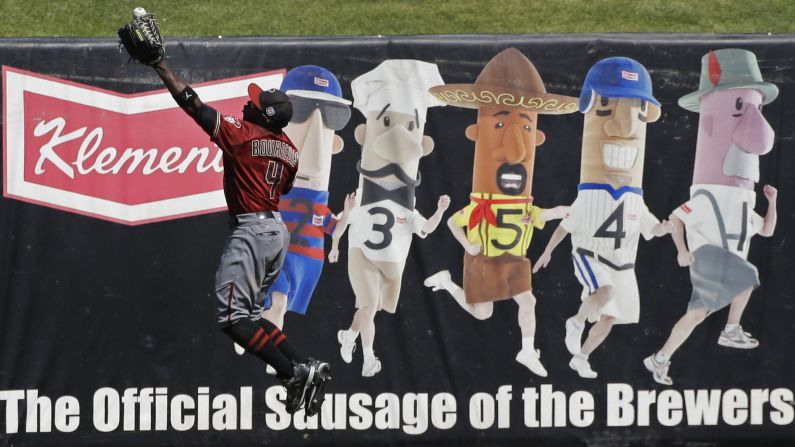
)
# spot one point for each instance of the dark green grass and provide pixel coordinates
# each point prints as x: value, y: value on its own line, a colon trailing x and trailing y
x: 29, y: 18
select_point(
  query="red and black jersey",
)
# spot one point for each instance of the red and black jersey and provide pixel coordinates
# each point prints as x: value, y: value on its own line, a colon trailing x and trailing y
x: 259, y: 165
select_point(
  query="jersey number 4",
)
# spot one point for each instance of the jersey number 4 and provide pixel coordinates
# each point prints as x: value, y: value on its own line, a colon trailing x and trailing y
x: 617, y: 217
x: 273, y: 176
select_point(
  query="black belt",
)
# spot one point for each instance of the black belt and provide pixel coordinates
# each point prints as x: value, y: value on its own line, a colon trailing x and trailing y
x: 253, y: 217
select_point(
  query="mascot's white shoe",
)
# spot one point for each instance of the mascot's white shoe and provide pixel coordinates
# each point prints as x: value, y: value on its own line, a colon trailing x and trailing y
x: 437, y: 280
x: 371, y: 367
x: 347, y: 345
x: 531, y: 358
x: 574, y: 335
x: 582, y: 366
x: 737, y: 338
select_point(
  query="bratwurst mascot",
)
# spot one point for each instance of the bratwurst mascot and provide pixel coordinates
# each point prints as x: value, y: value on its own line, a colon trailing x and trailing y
x: 496, y: 227
x: 719, y: 219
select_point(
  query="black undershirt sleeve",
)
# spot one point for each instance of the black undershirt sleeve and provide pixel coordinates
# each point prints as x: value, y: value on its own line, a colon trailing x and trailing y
x: 208, y: 119
x: 204, y: 115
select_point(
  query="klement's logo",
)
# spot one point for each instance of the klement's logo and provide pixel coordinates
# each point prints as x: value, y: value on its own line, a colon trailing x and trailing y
x: 131, y: 159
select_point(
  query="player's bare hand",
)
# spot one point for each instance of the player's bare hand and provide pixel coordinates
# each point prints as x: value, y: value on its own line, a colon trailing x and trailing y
x: 350, y: 202
x: 333, y: 255
x: 542, y: 261
x: 684, y: 258
x: 443, y: 203
x: 771, y: 193
x: 473, y: 249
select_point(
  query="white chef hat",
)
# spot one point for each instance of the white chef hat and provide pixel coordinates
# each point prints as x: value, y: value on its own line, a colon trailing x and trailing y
x: 401, y: 83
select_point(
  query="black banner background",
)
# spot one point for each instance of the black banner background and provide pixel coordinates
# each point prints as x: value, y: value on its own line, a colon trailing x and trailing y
x: 86, y: 304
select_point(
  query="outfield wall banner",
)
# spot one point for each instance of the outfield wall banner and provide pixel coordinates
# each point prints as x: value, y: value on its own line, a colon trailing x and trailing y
x: 113, y: 221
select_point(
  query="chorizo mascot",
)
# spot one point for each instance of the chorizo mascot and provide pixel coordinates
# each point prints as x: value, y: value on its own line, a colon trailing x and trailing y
x: 496, y: 227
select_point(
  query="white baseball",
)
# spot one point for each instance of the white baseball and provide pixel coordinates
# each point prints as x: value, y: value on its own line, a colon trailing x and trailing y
x: 138, y: 12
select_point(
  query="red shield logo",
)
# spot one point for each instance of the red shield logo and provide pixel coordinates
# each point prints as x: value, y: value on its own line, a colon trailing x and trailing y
x: 131, y: 159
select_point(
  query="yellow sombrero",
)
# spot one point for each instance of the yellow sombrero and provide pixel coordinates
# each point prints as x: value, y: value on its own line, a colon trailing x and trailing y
x: 508, y: 80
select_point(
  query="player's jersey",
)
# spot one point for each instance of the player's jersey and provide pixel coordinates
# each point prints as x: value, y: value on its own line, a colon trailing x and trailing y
x: 308, y: 218
x: 382, y: 230
x: 608, y: 223
x: 500, y: 223
x: 722, y: 216
x: 258, y: 164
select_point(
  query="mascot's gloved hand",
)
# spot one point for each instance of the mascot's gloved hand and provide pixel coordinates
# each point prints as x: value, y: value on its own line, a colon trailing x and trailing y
x: 141, y: 38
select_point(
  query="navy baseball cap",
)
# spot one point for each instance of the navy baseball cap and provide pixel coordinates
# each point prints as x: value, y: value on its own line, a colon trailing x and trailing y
x: 617, y: 77
x: 312, y: 81
x: 273, y: 103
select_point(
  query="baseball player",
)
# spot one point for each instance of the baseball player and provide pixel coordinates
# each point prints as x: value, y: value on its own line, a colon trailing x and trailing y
x: 719, y: 219
x: 260, y: 163
x: 609, y: 214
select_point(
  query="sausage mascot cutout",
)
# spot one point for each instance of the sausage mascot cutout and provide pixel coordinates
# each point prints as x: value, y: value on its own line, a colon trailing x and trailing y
x: 394, y: 99
x: 719, y: 219
x: 319, y: 110
x: 496, y: 227
x: 609, y: 214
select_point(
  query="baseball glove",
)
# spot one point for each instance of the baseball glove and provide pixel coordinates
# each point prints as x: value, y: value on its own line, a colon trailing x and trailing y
x: 142, y: 40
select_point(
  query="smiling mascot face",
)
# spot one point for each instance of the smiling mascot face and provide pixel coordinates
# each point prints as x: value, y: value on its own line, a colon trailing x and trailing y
x: 617, y: 102
x: 614, y: 140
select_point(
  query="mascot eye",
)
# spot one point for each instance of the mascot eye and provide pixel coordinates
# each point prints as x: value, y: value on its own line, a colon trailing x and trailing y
x: 604, y: 101
x: 739, y: 104
x: 642, y: 105
x: 411, y: 126
x: 528, y: 128
x: 386, y: 121
x: 499, y: 125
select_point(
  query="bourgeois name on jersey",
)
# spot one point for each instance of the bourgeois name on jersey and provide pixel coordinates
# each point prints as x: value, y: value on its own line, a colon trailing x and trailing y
x: 274, y: 148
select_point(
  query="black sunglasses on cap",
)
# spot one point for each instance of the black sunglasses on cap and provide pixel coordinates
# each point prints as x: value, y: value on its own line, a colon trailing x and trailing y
x: 335, y: 115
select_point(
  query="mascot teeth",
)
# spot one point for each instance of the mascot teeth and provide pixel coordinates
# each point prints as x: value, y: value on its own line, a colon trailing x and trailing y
x: 619, y: 156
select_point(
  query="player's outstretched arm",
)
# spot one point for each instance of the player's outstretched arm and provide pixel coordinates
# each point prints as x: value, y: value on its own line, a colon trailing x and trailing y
x: 683, y: 257
x: 545, y: 257
x: 144, y: 43
x: 177, y: 87
x: 187, y: 99
x: 341, y: 226
x: 461, y: 236
x: 433, y: 222
x: 771, y: 194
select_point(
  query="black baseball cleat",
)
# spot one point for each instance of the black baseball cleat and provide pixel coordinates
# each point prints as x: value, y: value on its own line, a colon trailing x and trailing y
x: 298, y: 386
x: 316, y: 394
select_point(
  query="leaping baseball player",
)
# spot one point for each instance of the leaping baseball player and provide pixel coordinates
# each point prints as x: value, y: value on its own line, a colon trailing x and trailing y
x: 609, y: 214
x: 394, y: 99
x: 719, y: 219
x: 260, y: 164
